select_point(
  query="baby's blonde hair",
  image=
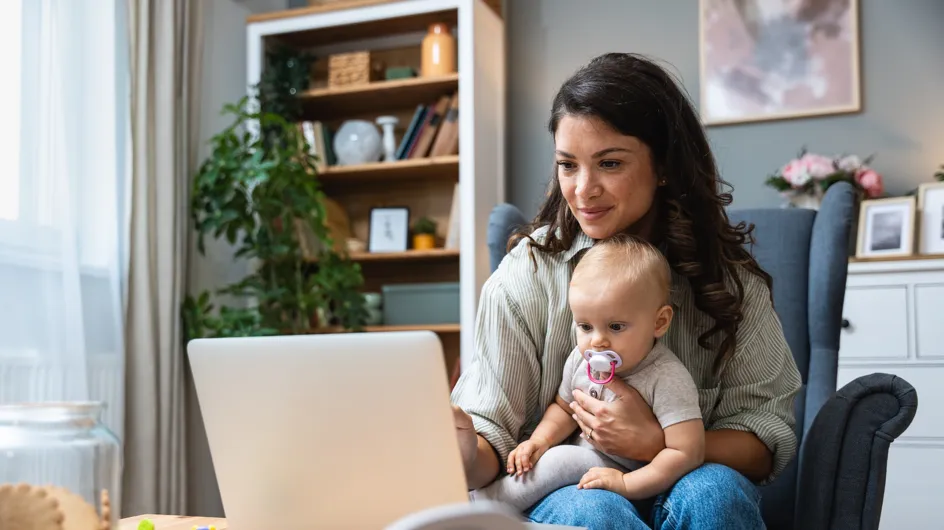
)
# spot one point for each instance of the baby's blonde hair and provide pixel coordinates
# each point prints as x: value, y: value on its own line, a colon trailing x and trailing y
x: 626, y: 258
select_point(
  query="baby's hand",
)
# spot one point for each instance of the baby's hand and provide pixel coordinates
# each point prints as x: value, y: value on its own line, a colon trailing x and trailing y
x: 522, y: 458
x: 604, y: 478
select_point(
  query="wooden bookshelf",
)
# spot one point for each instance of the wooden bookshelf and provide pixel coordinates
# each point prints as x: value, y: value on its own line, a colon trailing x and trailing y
x: 437, y: 254
x: 337, y: 5
x: 436, y: 328
x: 409, y: 256
x: 441, y: 168
x: 357, y: 30
x: 377, y: 97
x: 392, y: 31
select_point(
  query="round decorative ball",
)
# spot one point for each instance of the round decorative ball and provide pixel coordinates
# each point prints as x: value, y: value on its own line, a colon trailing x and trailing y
x: 357, y: 142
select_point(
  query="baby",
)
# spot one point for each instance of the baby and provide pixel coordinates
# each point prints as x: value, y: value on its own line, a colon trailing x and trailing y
x: 619, y: 297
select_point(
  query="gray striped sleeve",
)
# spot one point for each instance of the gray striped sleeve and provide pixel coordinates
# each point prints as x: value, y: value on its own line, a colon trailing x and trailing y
x: 760, y: 382
x: 500, y: 387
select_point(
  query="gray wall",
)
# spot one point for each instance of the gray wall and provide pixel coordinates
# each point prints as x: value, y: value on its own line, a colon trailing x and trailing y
x: 902, y: 71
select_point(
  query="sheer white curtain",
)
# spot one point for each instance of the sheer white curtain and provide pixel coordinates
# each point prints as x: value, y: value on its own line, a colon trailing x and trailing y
x: 63, y: 176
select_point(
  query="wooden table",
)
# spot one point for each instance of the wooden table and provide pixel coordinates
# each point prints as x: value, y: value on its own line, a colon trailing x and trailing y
x: 172, y: 522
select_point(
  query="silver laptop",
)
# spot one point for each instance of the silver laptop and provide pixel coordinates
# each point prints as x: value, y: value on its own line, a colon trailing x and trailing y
x: 350, y: 430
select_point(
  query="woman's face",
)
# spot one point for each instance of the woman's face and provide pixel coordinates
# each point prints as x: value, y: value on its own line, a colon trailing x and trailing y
x: 606, y: 178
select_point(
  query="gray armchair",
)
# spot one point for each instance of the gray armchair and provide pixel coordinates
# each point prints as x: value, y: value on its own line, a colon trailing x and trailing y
x: 838, y: 479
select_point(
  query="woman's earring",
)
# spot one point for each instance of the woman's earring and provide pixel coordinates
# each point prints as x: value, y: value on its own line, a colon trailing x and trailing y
x: 662, y: 182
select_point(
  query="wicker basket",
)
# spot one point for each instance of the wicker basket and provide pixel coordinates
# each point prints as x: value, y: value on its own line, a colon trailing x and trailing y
x: 347, y: 69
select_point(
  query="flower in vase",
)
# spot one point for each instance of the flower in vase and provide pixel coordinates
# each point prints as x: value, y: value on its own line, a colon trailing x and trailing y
x: 810, y: 174
x: 818, y: 166
x: 870, y: 182
x: 795, y: 173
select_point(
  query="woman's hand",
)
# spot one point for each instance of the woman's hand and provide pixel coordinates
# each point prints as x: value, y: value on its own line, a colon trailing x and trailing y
x: 468, y: 439
x: 478, y: 457
x: 626, y: 427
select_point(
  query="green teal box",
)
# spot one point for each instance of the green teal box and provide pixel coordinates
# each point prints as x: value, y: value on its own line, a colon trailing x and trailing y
x: 410, y: 304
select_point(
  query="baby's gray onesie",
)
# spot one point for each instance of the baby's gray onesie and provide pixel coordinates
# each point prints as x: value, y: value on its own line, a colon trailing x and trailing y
x: 662, y: 381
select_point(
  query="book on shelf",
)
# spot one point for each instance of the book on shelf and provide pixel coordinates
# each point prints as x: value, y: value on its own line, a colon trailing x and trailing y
x: 447, y: 141
x: 410, y: 132
x: 320, y: 140
x: 433, y: 130
x: 430, y: 127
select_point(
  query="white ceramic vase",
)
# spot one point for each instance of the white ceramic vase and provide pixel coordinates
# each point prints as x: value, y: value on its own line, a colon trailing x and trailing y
x: 810, y: 202
x: 387, y: 123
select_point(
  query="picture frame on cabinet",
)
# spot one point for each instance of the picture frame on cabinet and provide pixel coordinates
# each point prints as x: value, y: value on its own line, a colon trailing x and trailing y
x: 886, y: 228
x: 389, y: 229
x: 931, y: 218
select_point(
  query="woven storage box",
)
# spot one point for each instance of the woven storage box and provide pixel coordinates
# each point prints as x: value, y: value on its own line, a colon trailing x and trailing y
x: 347, y: 69
x: 420, y: 304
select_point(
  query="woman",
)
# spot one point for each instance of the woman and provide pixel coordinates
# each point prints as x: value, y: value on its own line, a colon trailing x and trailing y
x: 632, y: 157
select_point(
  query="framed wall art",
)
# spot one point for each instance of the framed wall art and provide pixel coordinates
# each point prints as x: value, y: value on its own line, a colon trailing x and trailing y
x: 775, y: 59
x: 931, y: 218
x: 886, y: 228
x: 389, y: 229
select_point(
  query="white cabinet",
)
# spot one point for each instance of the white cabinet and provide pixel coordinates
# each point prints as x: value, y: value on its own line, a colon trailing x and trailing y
x: 875, y: 334
x: 893, y: 322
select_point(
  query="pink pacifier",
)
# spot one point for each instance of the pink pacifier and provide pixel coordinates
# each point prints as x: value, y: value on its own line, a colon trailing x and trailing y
x: 600, y: 361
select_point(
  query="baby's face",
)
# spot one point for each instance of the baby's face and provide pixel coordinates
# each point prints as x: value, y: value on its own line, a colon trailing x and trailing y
x: 622, y: 318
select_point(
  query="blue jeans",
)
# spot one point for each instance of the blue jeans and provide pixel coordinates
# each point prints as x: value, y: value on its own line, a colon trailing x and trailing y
x: 712, y: 496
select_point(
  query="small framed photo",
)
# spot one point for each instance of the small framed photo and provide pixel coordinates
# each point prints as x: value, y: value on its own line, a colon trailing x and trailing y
x: 886, y: 228
x: 931, y: 218
x: 389, y: 229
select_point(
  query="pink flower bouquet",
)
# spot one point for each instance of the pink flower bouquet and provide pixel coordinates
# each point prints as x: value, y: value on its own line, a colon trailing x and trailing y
x: 812, y: 174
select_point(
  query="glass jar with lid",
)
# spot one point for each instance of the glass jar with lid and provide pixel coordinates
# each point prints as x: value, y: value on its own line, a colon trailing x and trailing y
x: 58, y: 462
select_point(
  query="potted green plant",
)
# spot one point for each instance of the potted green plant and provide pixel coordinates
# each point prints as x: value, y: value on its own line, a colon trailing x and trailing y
x: 424, y: 234
x: 258, y: 184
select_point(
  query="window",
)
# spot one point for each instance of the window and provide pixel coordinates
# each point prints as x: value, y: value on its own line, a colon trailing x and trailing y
x: 11, y: 52
x: 59, y: 190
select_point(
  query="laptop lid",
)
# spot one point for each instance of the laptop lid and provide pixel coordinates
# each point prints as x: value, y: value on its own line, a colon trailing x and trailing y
x: 350, y: 430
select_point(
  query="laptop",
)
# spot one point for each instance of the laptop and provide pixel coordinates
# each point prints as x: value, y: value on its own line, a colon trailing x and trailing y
x: 348, y: 430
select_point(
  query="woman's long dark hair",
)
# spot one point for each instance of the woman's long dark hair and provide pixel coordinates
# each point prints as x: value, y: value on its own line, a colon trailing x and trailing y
x: 638, y: 98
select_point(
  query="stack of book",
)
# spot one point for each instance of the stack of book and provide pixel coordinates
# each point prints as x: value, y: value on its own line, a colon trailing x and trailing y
x: 433, y: 131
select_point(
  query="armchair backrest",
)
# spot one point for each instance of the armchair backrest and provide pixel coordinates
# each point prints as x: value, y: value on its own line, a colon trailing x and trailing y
x: 806, y: 253
x: 503, y: 220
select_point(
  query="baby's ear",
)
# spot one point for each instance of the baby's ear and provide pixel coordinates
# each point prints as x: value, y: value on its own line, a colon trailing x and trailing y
x: 663, y: 319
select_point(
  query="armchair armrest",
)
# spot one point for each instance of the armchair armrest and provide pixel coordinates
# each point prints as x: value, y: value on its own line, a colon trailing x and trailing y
x: 844, y: 455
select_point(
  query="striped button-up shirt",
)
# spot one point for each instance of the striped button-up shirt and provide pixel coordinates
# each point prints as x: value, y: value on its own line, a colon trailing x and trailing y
x: 525, y: 331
